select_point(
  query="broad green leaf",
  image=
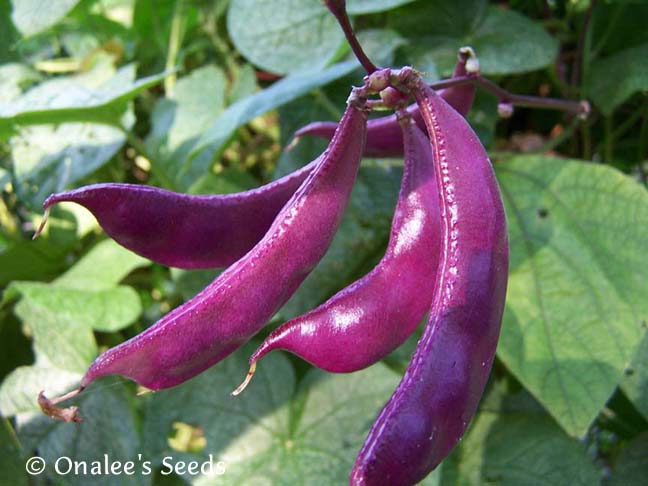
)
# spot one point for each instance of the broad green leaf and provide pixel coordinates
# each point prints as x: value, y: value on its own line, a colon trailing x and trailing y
x: 33, y: 16
x: 12, y: 465
x: 518, y: 448
x: 87, y: 295
x: 635, y: 383
x: 109, y: 429
x: 61, y: 316
x: 244, y: 85
x: 50, y: 158
x: 631, y: 468
x: 272, y: 434
x: 577, y: 287
x: 103, y: 267
x: 214, y: 139
x: 360, y: 7
x: 197, y: 101
x: 105, y: 310
x: 61, y: 339
x: 100, y: 95
x: 14, y: 79
x: 615, y: 78
x: 287, y: 36
x: 505, y: 41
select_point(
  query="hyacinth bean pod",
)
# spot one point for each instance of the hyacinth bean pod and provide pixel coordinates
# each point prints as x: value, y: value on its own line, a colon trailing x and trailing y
x: 234, y: 307
x: 439, y: 393
x: 384, y: 136
x: 184, y: 230
x: 367, y: 320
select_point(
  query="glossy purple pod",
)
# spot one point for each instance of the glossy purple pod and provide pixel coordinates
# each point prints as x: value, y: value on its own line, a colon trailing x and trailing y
x: 184, y: 230
x: 384, y: 136
x: 367, y: 320
x: 439, y: 393
x: 235, y: 306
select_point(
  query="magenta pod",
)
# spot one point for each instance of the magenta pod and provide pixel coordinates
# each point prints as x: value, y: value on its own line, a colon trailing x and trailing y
x: 439, y: 393
x: 184, y: 230
x: 384, y: 136
x: 235, y: 306
x: 382, y: 309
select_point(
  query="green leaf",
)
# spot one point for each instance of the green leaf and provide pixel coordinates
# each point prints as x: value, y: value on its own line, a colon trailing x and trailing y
x: 272, y: 433
x: 505, y: 41
x: 12, y: 466
x: 100, y: 95
x: 287, y: 36
x: 518, y: 448
x: 635, y: 383
x: 360, y: 7
x: 14, y: 79
x: 109, y: 429
x: 197, y: 101
x: 615, y: 78
x: 61, y: 317
x: 214, y: 139
x: 101, y: 268
x: 52, y: 156
x: 577, y: 286
x: 33, y: 16
x: 631, y: 468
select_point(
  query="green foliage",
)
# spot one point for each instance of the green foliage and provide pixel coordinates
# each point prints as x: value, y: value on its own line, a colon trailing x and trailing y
x: 203, y: 96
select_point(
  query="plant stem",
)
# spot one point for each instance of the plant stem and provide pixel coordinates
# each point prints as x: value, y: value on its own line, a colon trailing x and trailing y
x: 570, y: 106
x: 338, y: 9
x: 175, y: 40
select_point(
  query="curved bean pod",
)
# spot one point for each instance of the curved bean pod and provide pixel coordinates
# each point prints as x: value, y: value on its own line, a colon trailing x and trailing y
x: 439, y: 393
x: 233, y: 308
x: 184, y: 230
x: 384, y: 307
x: 384, y: 136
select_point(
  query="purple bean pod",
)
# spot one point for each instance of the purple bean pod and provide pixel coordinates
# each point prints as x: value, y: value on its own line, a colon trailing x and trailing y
x: 439, y: 393
x: 384, y: 307
x: 384, y: 136
x: 234, y: 307
x: 184, y: 230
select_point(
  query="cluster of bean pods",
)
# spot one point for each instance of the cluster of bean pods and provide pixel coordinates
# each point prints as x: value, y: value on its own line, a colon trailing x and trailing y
x: 447, y: 255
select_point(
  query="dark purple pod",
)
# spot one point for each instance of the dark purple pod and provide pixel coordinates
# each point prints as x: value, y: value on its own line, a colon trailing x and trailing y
x: 439, y: 393
x: 233, y: 308
x: 183, y: 230
x: 384, y: 136
x: 367, y: 320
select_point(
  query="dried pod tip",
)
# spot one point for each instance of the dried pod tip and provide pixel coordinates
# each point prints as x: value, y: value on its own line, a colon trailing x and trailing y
x: 247, y: 380
x: 585, y: 109
x: 67, y: 414
x: 41, y: 226
x: 505, y: 109
x: 468, y: 56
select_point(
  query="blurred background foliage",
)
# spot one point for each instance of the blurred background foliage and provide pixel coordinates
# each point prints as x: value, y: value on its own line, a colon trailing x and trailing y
x: 202, y: 96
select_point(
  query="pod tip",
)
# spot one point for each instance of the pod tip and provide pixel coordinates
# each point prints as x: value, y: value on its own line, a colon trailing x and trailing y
x: 41, y: 226
x: 65, y: 414
x: 247, y: 380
